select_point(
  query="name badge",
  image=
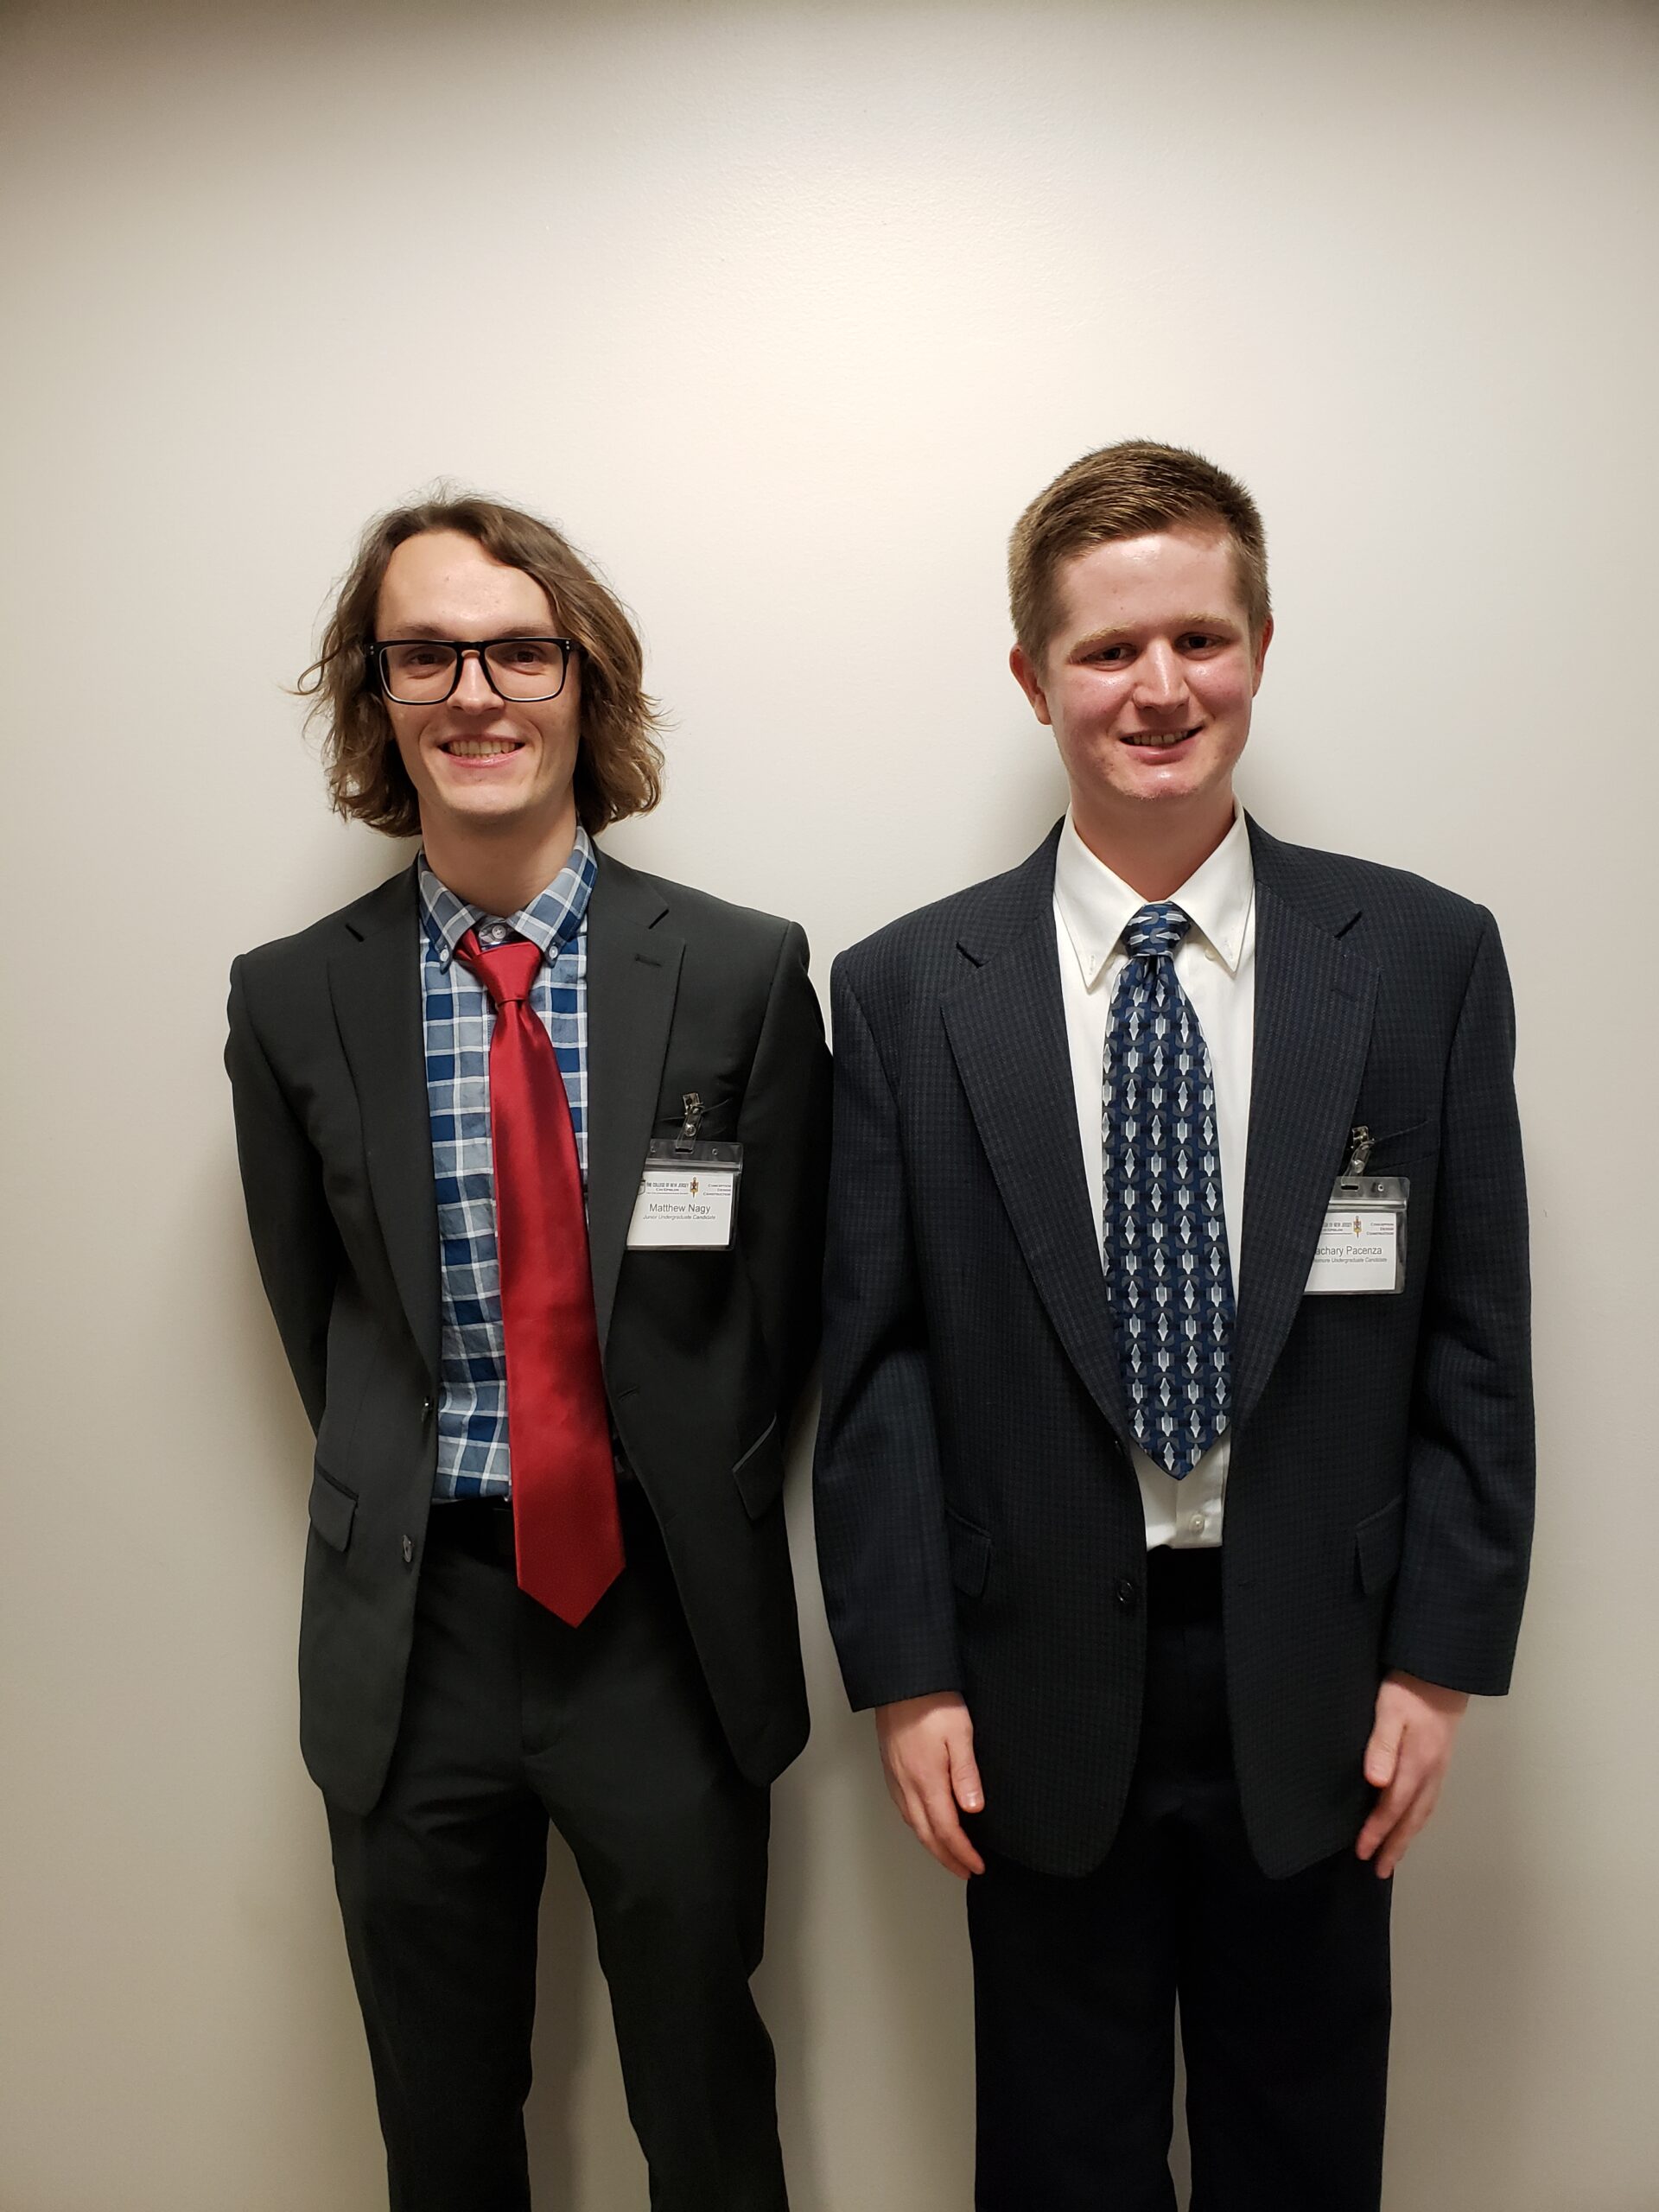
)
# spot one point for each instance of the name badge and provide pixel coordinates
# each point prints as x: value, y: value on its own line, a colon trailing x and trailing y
x: 688, y: 1197
x: 1362, y: 1246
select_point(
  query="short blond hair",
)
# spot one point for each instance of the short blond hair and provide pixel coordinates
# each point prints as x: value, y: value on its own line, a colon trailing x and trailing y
x: 1128, y: 491
x: 618, y: 762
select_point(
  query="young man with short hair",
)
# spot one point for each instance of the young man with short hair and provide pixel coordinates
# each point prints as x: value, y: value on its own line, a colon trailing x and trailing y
x: 533, y: 1148
x: 1175, y: 1465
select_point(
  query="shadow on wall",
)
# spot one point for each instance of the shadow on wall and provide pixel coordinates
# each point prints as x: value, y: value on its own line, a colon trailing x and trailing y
x: 1469, y: 1981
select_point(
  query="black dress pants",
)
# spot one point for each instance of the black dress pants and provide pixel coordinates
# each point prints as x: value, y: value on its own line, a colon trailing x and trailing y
x: 1283, y: 1986
x: 512, y: 1718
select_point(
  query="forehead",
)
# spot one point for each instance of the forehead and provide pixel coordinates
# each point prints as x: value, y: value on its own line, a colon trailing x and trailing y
x: 1164, y: 578
x: 445, y: 579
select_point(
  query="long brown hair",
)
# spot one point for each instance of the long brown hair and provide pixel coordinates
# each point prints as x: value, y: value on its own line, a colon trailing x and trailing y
x: 618, y: 763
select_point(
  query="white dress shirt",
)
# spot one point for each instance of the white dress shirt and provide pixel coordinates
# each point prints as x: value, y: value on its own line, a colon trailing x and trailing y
x: 1216, y: 964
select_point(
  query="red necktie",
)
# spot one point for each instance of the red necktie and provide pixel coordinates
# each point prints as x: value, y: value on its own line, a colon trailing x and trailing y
x: 565, y: 1526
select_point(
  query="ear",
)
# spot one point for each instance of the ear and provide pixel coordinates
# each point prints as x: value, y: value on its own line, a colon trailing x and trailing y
x: 1026, y: 676
x: 1262, y: 645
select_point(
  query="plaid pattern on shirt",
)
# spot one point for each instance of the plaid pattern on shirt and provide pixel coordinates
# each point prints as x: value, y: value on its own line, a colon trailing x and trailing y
x: 459, y: 1020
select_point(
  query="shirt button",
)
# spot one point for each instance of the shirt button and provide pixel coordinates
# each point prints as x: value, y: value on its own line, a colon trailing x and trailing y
x: 1195, y: 1524
x: 495, y: 934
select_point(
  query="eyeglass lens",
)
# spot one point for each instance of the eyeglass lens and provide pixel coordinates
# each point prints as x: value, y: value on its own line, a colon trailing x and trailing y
x: 425, y: 669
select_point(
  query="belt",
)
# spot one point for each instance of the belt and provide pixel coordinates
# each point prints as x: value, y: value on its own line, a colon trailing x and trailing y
x: 482, y: 1527
x: 1184, y: 1585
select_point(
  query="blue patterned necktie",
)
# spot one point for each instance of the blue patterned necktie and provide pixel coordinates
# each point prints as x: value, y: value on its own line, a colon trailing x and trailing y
x: 1164, y: 1240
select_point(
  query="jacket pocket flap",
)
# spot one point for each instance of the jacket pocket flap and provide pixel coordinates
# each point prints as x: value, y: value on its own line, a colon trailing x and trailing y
x: 332, y: 1507
x: 1377, y: 1543
x: 758, y: 1472
x: 970, y: 1553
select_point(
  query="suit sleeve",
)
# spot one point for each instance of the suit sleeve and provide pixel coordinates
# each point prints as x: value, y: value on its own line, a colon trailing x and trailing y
x: 1469, y: 1487
x: 784, y: 1128
x: 295, y: 1240
x: 879, y: 1504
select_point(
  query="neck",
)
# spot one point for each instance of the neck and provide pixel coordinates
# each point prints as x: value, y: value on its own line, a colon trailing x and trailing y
x: 1154, y: 848
x: 498, y: 867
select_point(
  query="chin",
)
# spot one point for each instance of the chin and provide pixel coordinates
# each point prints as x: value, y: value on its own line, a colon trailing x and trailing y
x: 1165, y: 790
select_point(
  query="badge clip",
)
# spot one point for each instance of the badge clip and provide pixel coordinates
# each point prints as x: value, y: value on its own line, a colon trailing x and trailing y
x: 691, y: 1109
x: 1360, y: 1145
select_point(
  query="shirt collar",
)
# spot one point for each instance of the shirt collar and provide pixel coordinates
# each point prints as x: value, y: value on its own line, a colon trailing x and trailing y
x: 550, y: 920
x: 1096, y: 906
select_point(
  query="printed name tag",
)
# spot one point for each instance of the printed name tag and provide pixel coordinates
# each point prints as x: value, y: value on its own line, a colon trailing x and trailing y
x: 687, y: 1198
x: 1362, y: 1246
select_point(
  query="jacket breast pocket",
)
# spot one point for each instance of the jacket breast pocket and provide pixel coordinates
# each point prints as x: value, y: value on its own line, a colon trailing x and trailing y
x: 1378, y: 1542
x: 332, y: 1508
x: 1393, y: 1153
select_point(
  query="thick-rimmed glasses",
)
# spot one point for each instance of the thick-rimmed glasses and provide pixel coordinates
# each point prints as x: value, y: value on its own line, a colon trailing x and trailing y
x: 424, y: 671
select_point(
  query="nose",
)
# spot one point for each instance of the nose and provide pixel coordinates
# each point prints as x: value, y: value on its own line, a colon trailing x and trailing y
x: 1160, y: 678
x: 472, y: 686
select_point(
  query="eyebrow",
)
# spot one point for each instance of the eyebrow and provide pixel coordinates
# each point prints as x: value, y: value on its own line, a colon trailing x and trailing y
x: 1113, y: 631
x: 449, y: 638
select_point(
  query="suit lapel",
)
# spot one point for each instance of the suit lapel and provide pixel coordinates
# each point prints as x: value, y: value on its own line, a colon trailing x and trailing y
x: 1006, y: 1022
x: 376, y: 987
x: 634, y: 973
x: 1314, y: 1006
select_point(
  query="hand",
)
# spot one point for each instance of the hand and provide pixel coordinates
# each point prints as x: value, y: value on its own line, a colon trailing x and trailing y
x: 927, y: 1755
x: 1407, y: 1757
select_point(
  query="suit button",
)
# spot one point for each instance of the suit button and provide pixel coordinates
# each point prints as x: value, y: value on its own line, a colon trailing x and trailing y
x: 1128, y: 1594
x: 409, y: 1551
x: 426, y: 1409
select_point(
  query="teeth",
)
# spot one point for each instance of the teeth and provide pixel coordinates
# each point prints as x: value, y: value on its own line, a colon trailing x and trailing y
x: 478, y: 748
x: 1160, y: 742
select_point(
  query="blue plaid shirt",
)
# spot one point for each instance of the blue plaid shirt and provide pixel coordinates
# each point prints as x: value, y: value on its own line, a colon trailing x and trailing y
x: 458, y: 1020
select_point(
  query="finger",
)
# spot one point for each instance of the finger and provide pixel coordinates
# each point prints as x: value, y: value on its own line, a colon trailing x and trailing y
x: 1410, y: 1826
x: 947, y: 1858
x: 935, y: 1844
x: 950, y: 1843
x: 913, y: 1806
x: 1383, y: 1756
x: 1391, y: 1826
x: 1387, y: 1812
x: 965, y: 1784
x: 916, y: 1811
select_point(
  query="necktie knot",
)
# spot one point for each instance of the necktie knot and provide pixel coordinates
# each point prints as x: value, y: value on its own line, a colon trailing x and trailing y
x: 506, y: 971
x: 1155, y: 931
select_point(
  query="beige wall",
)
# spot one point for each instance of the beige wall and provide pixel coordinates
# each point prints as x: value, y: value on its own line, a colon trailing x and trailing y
x: 783, y: 312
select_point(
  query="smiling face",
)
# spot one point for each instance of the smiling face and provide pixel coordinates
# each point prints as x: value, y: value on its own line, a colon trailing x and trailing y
x: 1147, y: 683
x: 479, y: 763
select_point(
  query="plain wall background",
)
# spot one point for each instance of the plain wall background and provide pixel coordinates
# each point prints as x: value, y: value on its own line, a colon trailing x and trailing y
x: 784, y: 313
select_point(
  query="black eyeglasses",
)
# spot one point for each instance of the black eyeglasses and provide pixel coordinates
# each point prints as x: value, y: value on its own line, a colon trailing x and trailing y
x: 424, y: 671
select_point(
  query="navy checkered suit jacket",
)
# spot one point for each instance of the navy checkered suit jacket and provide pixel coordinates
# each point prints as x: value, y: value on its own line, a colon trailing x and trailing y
x: 980, y: 1526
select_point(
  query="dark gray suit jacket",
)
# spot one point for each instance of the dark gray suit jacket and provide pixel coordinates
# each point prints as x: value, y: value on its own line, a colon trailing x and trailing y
x: 979, y: 1526
x: 704, y: 1352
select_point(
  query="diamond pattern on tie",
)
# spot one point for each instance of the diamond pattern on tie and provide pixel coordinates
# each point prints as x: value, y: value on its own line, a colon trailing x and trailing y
x: 1169, y: 1280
